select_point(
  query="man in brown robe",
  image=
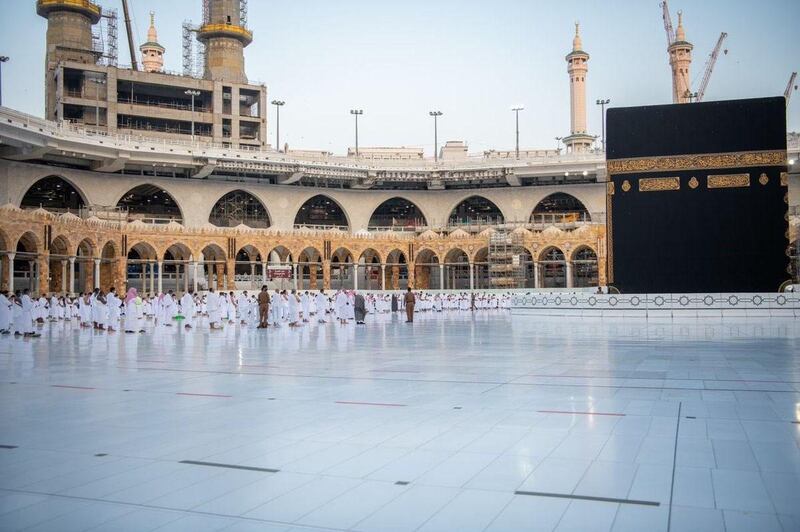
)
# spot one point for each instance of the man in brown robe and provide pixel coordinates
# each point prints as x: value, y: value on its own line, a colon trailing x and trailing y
x: 409, y: 301
x: 263, y: 308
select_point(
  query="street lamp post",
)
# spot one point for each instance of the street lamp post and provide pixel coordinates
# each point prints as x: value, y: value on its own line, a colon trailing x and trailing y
x: 3, y: 59
x: 691, y: 95
x: 436, y: 115
x: 516, y: 110
x: 356, y: 113
x: 278, y: 104
x: 192, y: 93
x: 98, y: 82
x: 602, y: 104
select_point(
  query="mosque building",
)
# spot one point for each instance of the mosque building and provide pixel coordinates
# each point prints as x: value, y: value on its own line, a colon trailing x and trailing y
x: 147, y: 178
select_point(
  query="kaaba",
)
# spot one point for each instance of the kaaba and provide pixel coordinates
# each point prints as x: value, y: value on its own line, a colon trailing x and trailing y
x: 697, y: 197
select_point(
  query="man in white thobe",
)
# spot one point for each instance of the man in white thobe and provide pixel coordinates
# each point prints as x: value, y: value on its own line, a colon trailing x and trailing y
x: 188, y: 309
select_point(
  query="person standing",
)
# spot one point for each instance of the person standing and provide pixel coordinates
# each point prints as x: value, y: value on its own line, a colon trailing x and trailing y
x: 26, y: 304
x: 322, y: 306
x: 112, y: 301
x: 305, y: 303
x: 187, y: 309
x: 409, y: 301
x: 214, y: 310
x: 359, y: 308
x: 133, y: 322
x: 263, y: 308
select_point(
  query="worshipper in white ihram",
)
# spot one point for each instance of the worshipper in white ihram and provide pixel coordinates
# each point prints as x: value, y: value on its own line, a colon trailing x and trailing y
x: 294, y: 309
x: 188, y: 309
x: 133, y: 312
x: 5, y: 314
x: 26, y: 318
x: 322, y: 306
x: 112, y: 302
x: 214, y: 310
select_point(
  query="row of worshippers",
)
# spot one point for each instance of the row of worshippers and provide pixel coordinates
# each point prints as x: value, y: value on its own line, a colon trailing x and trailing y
x: 103, y: 310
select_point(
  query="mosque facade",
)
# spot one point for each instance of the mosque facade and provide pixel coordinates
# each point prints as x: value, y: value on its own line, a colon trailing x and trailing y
x: 161, y: 181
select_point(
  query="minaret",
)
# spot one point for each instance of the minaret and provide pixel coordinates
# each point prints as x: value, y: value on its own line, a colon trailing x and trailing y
x: 680, y: 59
x: 69, y: 38
x: 225, y: 38
x: 152, y: 52
x: 577, y: 67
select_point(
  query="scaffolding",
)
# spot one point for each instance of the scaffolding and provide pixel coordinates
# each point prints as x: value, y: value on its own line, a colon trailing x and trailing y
x: 194, y: 59
x: 104, y: 38
x: 506, y: 260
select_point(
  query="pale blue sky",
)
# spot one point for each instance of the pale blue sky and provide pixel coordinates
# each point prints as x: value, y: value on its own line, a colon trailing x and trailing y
x: 471, y: 59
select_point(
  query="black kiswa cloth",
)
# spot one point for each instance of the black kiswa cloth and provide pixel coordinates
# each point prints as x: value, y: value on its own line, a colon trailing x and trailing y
x: 697, y: 197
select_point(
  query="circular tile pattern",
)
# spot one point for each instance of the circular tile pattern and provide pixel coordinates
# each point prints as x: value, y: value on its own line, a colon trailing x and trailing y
x: 758, y: 300
x: 683, y: 301
x: 613, y: 301
x: 635, y: 301
x: 708, y: 300
x: 733, y: 300
x: 659, y: 301
x: 592, y: 301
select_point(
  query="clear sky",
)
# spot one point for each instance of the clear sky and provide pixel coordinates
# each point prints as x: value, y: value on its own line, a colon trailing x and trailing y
x: 471, y: 59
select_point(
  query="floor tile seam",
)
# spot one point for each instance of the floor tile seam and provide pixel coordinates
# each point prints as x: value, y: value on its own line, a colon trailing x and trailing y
x: 298, y: 520
x: 165, y: 508
x: 267, y: 501
x: 67, y: 514
x: 210, y: 477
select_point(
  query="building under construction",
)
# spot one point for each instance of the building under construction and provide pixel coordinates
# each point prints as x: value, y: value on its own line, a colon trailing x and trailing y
x: 84, y: 86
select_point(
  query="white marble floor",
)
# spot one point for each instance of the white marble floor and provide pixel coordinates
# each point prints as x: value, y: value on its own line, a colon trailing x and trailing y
x: 457, y: 422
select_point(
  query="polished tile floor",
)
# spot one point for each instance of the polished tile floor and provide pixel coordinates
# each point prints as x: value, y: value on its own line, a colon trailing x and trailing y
x: 457, y: 422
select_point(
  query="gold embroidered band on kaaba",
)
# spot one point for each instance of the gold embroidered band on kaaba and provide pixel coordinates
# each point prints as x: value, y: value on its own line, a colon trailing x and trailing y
x: 658, y: 184
x: 706, y: 161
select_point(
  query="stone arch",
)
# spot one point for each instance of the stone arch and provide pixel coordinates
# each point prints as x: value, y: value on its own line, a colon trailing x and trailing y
x: 85, y: 254
x: 142, y: 251
x: 480, y: 260
x: 369, y: 269
x: 396, y: 270
x: 585, y: 266
x: 342, y: 274
x: 475, y: 209
x: 553, y: 264
x: 314, y: 210
x: 109, y: 258
x: 248, y: 263
x: 61, y: 246
x: 426, y: 269
x: 397, y: 212
x: 279, y: 255
x: 26, y: 264
x: 150, y: 201
x: 240, y: 207
x: 560, y: 207
x: 456, y: 269
x: 54, y: 192
x: 310, y: 268
x: 213, y: 266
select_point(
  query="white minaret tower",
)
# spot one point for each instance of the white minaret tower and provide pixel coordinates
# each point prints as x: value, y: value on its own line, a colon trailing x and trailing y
x: 577, y: 67
x: 152, y: 52
x: 680, y: 59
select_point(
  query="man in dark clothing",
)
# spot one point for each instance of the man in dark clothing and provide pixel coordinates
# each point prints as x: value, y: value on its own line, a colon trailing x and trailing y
x: 409, y: 301
x: 394, y: 302
x: 359, y: 308
x: 263, y: 308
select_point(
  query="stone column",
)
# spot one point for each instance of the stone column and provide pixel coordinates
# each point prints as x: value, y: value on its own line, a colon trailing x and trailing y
x: 570, y: 281
x: 294, y: 275
x: 3, y: 282
x: 441, y: 276
x: 411, y: 273
x: 160, y: 276
x: 71, y: 286
x: 252, y: 274
x: 11, y: 271
x: 96, y: 273
x: 472, y: 276
x: 383, y: 277
x: 312, y: 275
x: 355, y: 275
x: 152, y: 277
x: 264, y: 272
x: 32, y: 277
x: 63, y: 276
x: 536, y: 273
x: 326, y: 275
x: 194, y: 275
x: 185, y: 277
x: 230, y: 270
x: 219, y: 269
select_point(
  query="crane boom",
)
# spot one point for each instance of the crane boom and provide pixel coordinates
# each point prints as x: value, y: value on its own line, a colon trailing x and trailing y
x: 667, y: 23
x: 712, y: 59
x: 789, y: 87
x: 126, y: 13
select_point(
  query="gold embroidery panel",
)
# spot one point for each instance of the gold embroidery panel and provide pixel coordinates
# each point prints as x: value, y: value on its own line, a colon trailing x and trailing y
x: 697, y: 162
x: 728, y: 181
x: 659, y: 184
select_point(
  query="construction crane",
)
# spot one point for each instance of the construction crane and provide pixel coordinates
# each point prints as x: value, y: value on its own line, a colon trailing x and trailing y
x: 712, y: 60
x: 790, y: 87
x: 126, y: 14
x: 667, y: 23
